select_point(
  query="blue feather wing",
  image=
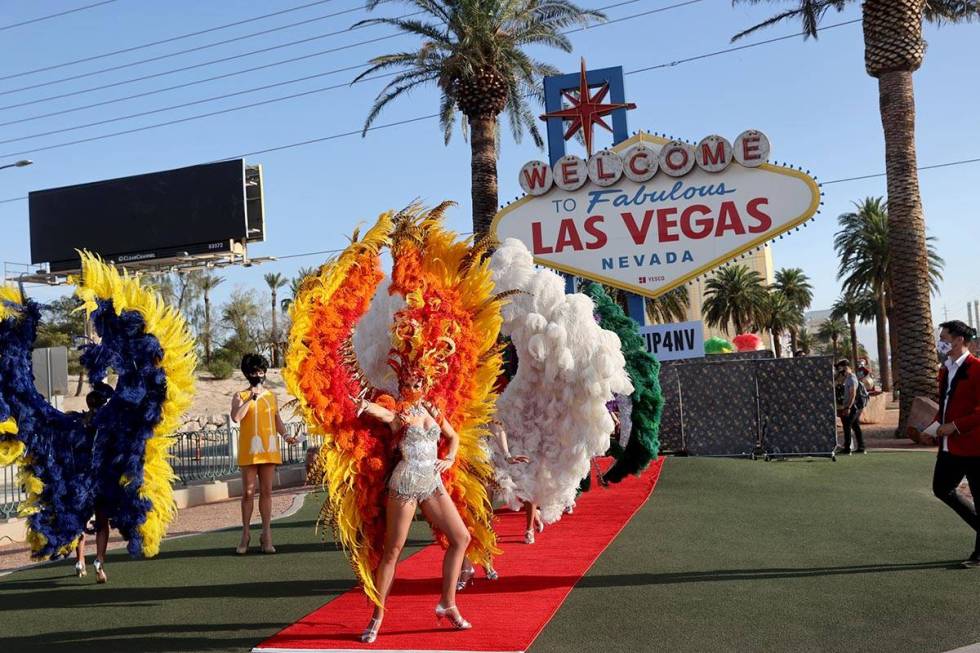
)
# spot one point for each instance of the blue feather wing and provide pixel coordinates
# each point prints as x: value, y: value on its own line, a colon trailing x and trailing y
x: 127, y: 420
x: 58, y: 446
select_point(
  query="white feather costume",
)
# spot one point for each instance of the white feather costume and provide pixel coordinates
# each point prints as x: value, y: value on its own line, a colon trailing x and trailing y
x: 554, y: 409
x: 372, y: 339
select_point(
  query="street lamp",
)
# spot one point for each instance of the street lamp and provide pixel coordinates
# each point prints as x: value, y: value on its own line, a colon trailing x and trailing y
x: 18, y: 164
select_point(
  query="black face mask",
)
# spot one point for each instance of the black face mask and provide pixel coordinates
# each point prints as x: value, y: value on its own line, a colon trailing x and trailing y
x: 254, y: 379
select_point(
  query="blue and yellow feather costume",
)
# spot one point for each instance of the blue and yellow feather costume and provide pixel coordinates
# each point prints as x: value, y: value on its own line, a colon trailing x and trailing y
x: 117, y: 457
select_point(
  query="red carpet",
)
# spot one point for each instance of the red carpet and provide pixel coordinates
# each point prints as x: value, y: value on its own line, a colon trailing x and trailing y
x: 507, y: 614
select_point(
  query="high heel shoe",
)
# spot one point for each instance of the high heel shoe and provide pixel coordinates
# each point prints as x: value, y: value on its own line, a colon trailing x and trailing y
x: 538, y: 522
x: 242, y: 547
x: 491, y: 573
x: 266, y: 541
x: 529, y: 536
x: 465, y: 578
x: 452, y: 614
x: 100, y: 576
x: 371, y: 632
x: 80, y: 570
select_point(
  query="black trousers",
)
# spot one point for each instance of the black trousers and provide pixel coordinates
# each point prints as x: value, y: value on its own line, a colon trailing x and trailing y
x: 947, y: 476
x: 852, y: 422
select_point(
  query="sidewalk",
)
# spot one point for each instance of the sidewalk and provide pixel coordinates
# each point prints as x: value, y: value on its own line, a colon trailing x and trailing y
x: 881, y: 435
x: 190, y: 521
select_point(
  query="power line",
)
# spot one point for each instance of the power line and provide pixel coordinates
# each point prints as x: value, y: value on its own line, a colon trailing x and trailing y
x: 336, y: 251
x: 205, y: 100
x: 50, y: 16
x: 264, y: 102
x: 429, y: 116
x: 171, y: 39
x: 198, y: 48
x: 230, y: 58
x: 934, y: 166
x: 179, y: 86
x: 882, y: 174
x: 747, y: 46
x: 214, y: 61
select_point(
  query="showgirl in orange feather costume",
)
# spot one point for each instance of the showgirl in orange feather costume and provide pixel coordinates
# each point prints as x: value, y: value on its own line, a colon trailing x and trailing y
x: 383, y: 456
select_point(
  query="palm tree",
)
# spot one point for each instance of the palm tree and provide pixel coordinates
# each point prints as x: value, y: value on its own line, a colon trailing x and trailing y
x: 893, y: 50
x: 733, y: 295
x: 804, y: 340
x: 862, y: 247
x: 795, y: 286
x: 778, y: 314
x: 208, y: 282
x: 294, y: 285
x: 475, y: 52
x: 672, y: 306
x: 832, y: 331
x: 275, y: 281
x: 851, y: 307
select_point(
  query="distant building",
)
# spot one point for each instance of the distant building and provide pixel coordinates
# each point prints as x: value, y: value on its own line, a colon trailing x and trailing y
x: 761, y: 262
x: 814, y: 319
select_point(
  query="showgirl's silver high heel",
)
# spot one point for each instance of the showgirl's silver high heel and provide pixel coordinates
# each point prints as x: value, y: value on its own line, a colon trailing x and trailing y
x: 80, y: 570
x: 465, y: 578
x: 452, y: 614
x: 491, y: 573
x: 529, y: 536
x: 100, y: 576
x: 371, y: 632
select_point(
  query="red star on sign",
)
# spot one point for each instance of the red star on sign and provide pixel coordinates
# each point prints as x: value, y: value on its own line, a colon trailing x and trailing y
x: 586, y: 110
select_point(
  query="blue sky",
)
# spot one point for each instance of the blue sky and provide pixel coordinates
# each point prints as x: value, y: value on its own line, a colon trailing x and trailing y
x: 813, y: 99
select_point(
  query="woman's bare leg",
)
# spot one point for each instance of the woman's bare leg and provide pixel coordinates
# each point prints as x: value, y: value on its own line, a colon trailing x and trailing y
x: 80, y: 550
x: 398, y: 521
x: 249, y: 474
x: 442, y: 513
x: 267, y: 475
x: 531, y: 516
x: 101, y: 535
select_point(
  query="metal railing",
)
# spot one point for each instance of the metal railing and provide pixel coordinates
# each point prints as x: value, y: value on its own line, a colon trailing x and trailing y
x: 196, y: 456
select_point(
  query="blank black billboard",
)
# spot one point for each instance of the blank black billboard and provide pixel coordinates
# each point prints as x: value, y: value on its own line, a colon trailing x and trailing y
x: 197, y: 209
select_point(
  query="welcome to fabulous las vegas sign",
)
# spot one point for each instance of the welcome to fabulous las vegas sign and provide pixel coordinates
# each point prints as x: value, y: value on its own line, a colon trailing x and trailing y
x: 650, y: 213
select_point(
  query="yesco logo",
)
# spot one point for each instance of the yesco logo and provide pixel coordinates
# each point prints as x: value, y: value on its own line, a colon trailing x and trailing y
x: 649, y: 213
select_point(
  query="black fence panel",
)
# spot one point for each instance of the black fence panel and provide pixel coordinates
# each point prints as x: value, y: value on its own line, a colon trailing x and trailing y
x: 796, y: 405
x: 719, y: 408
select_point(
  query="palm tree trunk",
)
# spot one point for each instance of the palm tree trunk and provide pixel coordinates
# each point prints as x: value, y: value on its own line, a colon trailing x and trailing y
x: 907, y: 243
x: 275, y: 333
x: 207, y: 327
x: 884, y: 361
x: 833, y: 342
x: 777, y: 345
x: 794, y: 341
x: 483, y: 171
x: 892, y: 341
x: 852, y: 323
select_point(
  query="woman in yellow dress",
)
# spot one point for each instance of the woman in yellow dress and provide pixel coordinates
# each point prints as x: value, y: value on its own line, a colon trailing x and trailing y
x: 257, y: 413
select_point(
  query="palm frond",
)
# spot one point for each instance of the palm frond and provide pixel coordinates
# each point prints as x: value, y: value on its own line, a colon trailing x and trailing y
x: 810, y: 13
x: 941, y: 12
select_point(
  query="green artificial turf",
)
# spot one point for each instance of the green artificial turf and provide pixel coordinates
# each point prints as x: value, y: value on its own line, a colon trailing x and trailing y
x: 804, y: 555
x: 195, y: 596
x: 728, y: 555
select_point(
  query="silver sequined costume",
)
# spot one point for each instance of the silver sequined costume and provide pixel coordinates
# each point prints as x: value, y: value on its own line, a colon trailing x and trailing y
x: 415, y: 477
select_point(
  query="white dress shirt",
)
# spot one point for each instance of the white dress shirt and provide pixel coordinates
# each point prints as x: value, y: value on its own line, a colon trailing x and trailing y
x: 952, y: 367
